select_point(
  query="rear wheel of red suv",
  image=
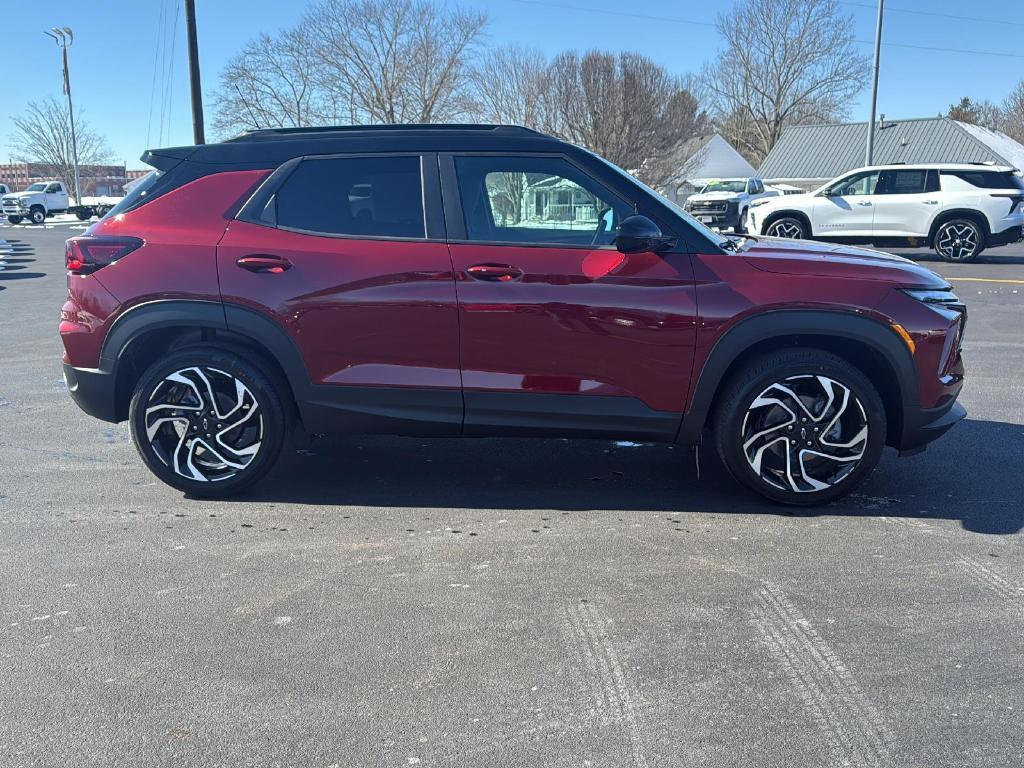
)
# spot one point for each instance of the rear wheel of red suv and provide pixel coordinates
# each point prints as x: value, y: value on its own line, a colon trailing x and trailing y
x: 800, y: 426
x: 207, y: 422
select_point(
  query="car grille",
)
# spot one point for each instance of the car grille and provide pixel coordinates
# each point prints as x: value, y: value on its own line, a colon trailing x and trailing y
x: 709, y: 207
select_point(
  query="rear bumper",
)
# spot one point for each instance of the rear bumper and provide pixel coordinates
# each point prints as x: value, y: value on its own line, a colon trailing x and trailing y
x: 1007, y: 236
x: 93, y: 391
x: 928, y: 424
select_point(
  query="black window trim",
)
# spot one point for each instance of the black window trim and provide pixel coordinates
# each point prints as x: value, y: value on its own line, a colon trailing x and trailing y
x: 455, y: 217
x: 252, y: 211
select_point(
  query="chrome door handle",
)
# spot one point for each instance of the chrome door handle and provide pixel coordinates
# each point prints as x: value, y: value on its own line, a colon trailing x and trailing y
x: 931, y: 202
x: 499, y: 273
x: 863, y: 202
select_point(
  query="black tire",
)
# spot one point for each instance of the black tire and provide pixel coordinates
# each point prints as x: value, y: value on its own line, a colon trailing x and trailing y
x: 959, y: 240
x: 159, y: 444
x: 739, y: 417
x: 790, y: 227
x: 14, y: 219
x: 37, y: 214
x: 739, y: 229
x: 83, y: 215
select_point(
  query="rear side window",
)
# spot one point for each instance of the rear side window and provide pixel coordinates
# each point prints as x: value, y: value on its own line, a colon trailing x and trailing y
x: 986, y: 179
x: 138, y: 194
x: 354, y: 196
x: 903, y: 182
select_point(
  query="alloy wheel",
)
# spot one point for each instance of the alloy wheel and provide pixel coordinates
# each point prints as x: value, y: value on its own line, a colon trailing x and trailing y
x: 805, y: 433
x: 203, y: 423
x: 786, y: 228
x: 957, y: 241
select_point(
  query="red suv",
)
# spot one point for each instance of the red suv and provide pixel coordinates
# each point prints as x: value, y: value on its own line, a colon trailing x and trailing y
x: 481, y: 281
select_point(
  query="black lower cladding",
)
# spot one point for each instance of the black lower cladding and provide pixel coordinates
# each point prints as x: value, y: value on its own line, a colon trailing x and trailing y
x: 928, y: 424
x: 93, y: 391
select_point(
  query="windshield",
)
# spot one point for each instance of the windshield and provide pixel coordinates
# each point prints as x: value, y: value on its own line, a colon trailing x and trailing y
x: 720, y: 240
x: 725, y: 185
x: 36, y: 188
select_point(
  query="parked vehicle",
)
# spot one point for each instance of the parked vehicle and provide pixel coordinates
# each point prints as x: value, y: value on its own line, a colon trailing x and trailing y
x: 47, y: 198
x: 723, y: 203
x: 484, y: 281
x: 4, y: 190
x: 958, y: 210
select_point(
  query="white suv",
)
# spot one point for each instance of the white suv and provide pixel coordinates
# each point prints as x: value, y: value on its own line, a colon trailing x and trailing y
x: 959, y: 210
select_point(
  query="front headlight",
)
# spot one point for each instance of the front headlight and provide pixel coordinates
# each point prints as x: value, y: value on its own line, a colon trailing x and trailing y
x: 761, y: 201
x: 945, y: 296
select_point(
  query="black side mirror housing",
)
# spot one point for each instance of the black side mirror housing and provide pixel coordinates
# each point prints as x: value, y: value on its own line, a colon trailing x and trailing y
x: 638, y: 234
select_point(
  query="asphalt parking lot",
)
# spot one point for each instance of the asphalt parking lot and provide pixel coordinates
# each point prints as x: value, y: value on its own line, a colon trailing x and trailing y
x: 391, y: 602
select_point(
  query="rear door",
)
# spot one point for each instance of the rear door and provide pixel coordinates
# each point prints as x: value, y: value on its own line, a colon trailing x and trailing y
x: 560, y: 331
x: 346, y: 257
x: 847, y: 208
x: 906, y: 202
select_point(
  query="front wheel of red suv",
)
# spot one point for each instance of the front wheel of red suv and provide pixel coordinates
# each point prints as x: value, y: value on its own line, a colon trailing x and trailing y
x: 800, y: 426
x: 207, y: 422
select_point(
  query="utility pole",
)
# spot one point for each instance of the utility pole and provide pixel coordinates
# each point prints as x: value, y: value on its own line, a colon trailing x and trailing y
x: 64, y: 37
x: 198, y: 133
x: 870, y: 154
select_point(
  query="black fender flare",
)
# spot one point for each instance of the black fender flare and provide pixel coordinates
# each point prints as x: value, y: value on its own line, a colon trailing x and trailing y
x: 259, y: 330
x: 800, y: 323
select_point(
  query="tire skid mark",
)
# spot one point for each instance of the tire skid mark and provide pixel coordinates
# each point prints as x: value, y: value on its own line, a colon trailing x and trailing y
x: 986, y: 577
x: 585, y: 624
x: 856, y: 731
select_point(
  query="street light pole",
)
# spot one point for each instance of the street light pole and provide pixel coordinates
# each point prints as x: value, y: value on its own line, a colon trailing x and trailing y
x: 64, y: 37
x: 198, y: 132
x: 870, y: 153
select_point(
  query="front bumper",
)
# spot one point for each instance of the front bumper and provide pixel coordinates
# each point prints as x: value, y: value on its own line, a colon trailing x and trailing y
x: 719, y: 220
x: 15, y: 210
x: 925, y: 425
x: 93, y: 391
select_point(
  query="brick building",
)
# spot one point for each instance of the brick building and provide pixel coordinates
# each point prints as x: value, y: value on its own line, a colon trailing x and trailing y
x: 96, y: 180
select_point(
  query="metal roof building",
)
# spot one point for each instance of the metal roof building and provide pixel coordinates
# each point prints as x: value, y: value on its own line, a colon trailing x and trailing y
x: 810, y: 155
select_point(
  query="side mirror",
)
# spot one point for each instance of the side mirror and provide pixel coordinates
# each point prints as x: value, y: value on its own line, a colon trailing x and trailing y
x: 638, y: 234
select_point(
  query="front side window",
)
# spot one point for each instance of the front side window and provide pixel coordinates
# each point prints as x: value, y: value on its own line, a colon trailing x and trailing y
x: 354, y: 196
x: 53, y: 188
x: 536, y: 200
x: 862, y: 183
x: 903, y: 182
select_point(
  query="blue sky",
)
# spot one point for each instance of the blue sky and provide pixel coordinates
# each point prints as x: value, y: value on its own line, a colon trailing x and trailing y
x: 112, y: 59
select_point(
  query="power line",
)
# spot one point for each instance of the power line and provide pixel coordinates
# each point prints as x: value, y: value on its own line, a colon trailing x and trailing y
x: 677, y: 20
x: 156, y: 59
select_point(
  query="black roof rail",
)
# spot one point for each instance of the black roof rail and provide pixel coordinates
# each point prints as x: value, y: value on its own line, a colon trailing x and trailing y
x: 265, y: 134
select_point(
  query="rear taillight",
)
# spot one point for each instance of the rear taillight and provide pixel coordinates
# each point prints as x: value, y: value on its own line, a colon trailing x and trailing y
x: 84, y: 255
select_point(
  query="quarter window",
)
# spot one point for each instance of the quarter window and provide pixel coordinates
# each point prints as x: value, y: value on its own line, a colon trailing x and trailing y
x: 535, y: 200
x: 354, y: 196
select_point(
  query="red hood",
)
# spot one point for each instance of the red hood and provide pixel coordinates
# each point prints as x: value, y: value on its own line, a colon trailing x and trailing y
x: 803, y: 257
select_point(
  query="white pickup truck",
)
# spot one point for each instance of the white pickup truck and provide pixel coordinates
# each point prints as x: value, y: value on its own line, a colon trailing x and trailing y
x: 723, y: 203
x: 46, y: 198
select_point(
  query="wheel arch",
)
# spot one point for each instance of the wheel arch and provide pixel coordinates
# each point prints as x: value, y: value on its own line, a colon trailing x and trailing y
x: 866, y: 343
x: 974, y: 215
x: 776, y: 215
x: 142, y: 334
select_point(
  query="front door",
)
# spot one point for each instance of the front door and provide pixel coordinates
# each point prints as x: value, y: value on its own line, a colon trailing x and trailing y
x: 560, y: 331
x: 847, y: 208
x: 343, y: 264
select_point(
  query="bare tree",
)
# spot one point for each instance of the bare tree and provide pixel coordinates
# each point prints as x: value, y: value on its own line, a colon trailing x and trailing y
x: 788, y: 62
x: 626, y: 108
x: 1012, y: 121
x: 43, y: 135
x: 983, y: 113
x: 396, y: 61
x: 271, y: 83
x: 512, y: 85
